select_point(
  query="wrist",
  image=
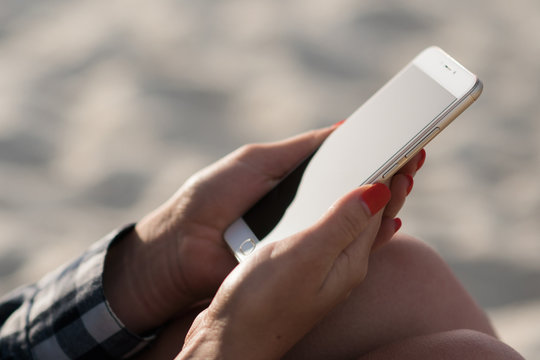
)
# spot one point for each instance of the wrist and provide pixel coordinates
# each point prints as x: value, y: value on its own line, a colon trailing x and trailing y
x: 139, y: 282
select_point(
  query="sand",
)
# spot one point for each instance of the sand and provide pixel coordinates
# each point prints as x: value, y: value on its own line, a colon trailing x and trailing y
x: 106, y: 108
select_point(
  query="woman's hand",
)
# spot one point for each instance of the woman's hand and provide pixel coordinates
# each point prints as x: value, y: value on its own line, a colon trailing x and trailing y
x: 176, y: 257
x: 270, y: 301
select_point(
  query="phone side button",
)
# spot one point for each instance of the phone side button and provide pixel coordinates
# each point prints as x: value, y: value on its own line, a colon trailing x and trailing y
x: 390, y: 171
x: 247, y: 247
x: 423, y: 142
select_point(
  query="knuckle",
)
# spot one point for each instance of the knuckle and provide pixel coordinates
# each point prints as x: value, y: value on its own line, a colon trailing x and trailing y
x: 248, y: 150
x: 350, y: 224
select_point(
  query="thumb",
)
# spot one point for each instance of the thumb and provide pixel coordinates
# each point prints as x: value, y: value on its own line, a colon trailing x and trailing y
x: 340, y: 243
x: 275, y: 159
x: 347, y: 219
x: 237, y: 181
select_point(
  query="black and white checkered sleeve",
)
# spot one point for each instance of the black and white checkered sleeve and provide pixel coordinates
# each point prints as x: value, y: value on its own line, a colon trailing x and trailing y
x: 66, y: 316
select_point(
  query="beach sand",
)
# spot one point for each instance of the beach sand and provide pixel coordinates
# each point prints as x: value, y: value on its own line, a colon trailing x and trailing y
x: 107, y: 107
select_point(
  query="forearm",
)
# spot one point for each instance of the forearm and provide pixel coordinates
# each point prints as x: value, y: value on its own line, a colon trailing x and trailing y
x: 142, y: 275
x: 65, y: 315
x: 134, y: 282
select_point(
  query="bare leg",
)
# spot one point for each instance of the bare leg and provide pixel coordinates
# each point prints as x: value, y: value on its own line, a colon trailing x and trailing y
x: 409, y: 292
x: 450, y: 345
x: 410, y: 304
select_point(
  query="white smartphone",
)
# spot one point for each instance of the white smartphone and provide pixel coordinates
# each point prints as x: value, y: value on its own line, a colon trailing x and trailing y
x: 372, y: 144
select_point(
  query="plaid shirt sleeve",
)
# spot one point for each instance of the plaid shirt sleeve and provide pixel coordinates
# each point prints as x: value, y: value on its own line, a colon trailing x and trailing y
x: 65, y: 315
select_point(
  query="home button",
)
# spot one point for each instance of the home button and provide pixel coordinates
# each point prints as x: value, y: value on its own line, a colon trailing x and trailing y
x: 247, y: 247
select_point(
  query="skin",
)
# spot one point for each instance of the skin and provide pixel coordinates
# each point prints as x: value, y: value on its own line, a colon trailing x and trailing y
x: 409, y: 306
x: 185, y: 233
x: 167, y: 271
x: 409, y: 293
x: 335, y: 254
x: 450, y: 345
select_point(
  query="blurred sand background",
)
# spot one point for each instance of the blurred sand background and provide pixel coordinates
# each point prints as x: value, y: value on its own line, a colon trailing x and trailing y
x: 106, y: 107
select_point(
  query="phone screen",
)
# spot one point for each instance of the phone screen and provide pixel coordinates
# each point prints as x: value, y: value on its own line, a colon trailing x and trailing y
x: 373, y: 134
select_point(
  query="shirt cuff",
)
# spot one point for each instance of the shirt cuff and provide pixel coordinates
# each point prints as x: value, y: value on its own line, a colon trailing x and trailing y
x: 70, y: 317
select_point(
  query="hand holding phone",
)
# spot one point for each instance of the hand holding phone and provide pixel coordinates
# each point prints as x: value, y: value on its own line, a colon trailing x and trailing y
x: 374, y: 142
x: 271, y: 319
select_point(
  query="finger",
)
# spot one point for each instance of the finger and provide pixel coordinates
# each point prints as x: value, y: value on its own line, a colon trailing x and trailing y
x: 400, y: 187
x: 351, y: 267
x: 415, y: 164
x: 274, y: 160
x: 402, y: 183
x: 344, y: 222
x: 389, y: 227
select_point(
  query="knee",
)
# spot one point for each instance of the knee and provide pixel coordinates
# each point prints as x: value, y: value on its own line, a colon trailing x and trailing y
x: 427, y: 289
x: 469, y: 344
x: 410, y: 259
x: 455, y: 344
x: 406, y: 250
x: 411, y: 263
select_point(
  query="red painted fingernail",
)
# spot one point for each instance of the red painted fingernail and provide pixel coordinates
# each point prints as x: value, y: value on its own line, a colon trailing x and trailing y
x: 397, y: 224
x: 422, y: 159
x: 375, y: 197
x: 339, y: 123
x: 411, y: 183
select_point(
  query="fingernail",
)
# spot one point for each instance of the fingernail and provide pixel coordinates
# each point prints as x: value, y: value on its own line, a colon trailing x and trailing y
x: 397, y: 224
x: 422, y: 159
x: 411, y: 183
x: 375, y: 197
x: 339, y: 123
